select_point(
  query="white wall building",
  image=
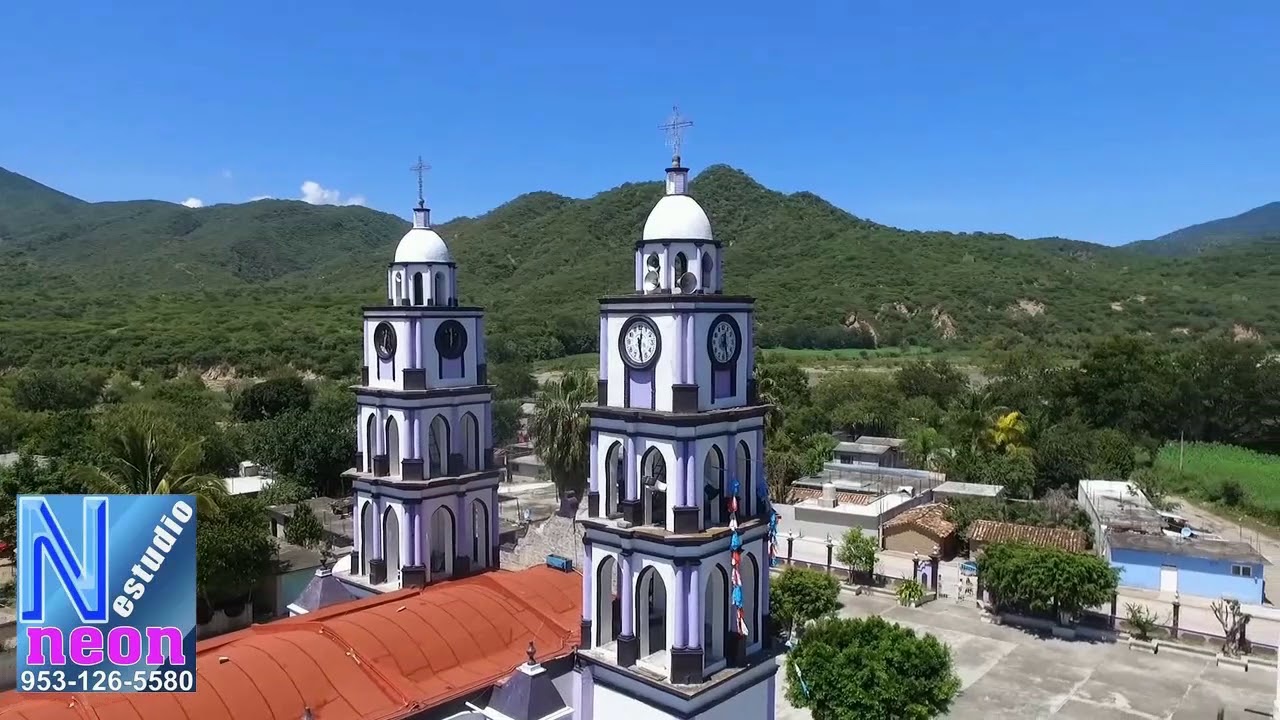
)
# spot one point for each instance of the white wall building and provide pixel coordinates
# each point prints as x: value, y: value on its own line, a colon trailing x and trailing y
x: 425, y: 482
x: 676, y: 580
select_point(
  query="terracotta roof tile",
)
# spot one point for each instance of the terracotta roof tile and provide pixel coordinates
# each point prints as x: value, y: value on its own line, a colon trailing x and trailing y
x: 385, y: 657
x: 989, y: 531
x: 931, y: 518
x: 843, y: 498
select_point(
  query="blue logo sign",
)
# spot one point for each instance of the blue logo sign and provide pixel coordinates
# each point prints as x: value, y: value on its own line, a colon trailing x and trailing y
x: 106, y: 593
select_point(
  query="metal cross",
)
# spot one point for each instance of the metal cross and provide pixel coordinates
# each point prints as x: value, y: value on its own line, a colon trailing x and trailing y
x: 675, y: 130
x: 420, y: 168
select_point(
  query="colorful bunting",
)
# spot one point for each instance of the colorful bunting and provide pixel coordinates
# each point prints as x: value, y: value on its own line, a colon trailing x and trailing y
x: 735, y: 558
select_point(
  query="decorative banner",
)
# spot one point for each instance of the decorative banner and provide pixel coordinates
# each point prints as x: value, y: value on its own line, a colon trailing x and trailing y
x: 773, y: 538
x: 106, y: 593
x: 735, y: 555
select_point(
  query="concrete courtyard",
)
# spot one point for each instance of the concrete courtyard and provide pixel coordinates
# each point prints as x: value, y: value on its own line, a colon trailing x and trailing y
x: 1009, y: 673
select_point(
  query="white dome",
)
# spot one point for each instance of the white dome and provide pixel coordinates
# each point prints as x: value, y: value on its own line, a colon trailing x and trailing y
x: 422, y: 245
x: 677, y: 217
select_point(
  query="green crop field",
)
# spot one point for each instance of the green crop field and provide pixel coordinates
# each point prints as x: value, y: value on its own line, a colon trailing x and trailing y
x: 1208, y: 471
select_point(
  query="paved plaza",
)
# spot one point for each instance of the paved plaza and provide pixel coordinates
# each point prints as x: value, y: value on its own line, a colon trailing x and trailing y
x: 1011, y: 674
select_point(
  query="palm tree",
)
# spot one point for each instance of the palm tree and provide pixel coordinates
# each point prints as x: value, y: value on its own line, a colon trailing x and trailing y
x: 927, y: 449
x: 1008, y: 432
x: 138, y: 462
x: 559, y: 428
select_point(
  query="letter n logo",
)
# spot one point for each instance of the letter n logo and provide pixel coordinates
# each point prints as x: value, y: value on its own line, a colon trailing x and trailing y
x: 42, y: 543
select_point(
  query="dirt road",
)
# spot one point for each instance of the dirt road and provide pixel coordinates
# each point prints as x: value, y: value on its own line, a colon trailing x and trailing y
x: 1239, y: 529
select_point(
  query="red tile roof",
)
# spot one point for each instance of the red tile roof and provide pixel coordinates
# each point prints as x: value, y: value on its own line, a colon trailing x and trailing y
x: 385, y: 657
x: 842, y: 498
x: 931, y: 519
x: 989, y: 531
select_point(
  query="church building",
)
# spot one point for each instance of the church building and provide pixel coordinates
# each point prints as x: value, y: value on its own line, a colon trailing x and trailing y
x: 425, y: 483
x: 679, y: 534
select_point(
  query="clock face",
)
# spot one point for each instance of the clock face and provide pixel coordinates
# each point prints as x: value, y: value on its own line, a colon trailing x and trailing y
x: 639, y: 343
x: 724, y: 343
x: 384, y: 340
x: 451, y: 339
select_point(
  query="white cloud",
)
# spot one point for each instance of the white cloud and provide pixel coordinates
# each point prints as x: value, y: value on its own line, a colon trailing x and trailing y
x: 317, y: 194
x: 193, y: 202
x: 261, y: 197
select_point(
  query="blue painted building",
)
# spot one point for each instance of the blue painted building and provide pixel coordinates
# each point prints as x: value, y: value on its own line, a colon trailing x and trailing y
x: 1188, y: 566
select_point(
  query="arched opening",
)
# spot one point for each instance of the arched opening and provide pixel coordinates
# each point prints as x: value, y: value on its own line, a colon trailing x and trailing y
x: 438, y: 292
x: 653, y: 480
x: 746, y: 486
x: 708, y: 265
x: 684, y: 283
x: 651, y: 615
x: 370, y: 443
x: 608, y: 601
x: 442, y: 546
x: 713, y: 495
x: 438, y: 446
x: 391, y: 544
x: 652, y: 276
x: 470, y: 442
x: 368, y: 546
x: 393, y: 445
x: 479, y: 534
x: 615, y: 483
x: 715, y: 615
x: 417, y: 288
x: 750, y: 573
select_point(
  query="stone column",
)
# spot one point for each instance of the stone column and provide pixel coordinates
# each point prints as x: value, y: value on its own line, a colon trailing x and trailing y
x: 1177, y: 611
x: 678, y: 599
x: 628, y: 643
x: 462, y: 560
x: 588, y: 597
x: 694, y: 601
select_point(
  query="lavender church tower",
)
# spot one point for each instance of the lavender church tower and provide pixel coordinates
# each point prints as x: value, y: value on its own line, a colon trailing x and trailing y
x: 679, y: 537
x: 426, y: 488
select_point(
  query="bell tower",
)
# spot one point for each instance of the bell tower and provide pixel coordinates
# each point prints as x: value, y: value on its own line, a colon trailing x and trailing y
x: 679, y: 534
x: 426, y: 486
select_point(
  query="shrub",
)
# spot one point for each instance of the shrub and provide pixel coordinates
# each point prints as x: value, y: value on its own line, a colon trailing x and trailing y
x: 799, y: 595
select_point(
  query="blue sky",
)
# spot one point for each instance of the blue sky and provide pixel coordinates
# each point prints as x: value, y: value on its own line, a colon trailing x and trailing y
x: 1103, y: 121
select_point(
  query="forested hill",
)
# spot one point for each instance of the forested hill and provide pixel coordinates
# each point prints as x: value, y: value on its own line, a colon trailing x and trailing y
x: 1261, y: 224
x: 148, y: 283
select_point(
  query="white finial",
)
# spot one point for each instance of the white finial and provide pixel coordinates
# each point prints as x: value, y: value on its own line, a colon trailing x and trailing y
x: 675, y: 127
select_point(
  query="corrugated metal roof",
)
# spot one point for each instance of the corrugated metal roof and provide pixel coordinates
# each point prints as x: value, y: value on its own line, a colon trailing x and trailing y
x: 382, y: 658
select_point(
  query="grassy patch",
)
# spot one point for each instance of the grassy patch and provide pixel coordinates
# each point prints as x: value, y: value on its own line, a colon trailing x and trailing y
x: 1227, y: 475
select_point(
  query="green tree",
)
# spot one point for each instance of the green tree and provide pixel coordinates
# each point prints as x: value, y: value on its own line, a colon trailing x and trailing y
x: 559, y: 427
x: 506, y: 421
x: 304, y: 528
x: 234, y: 551
x: 513, y: 380
x: 65, y: 434
x: 1064, y: 455
x: 53, y: 390
x: 799, y: 595
x: 870, y: 669
x: 272, y: 398
x: 1046, y: 579
x: 926, y: 449
x: 1113, y: 455
x: 858, y: 551
x: 1126, y: 383
x: 312, y: 445
x: 937, y: 379
x: 32, y: 477
x: 139, y: 462
x: 1015, y: 470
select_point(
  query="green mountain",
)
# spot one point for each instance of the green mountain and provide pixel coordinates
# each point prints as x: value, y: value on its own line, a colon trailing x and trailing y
x: 257, y: 285
x: 1259, y: 224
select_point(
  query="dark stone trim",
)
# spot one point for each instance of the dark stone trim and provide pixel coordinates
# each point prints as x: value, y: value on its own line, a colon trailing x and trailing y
x: 482, y: 374
x: 496, y: 561
x: 640, y: 244
x: 632, y: 511
x: 461, y: 566
x: 686, y: 666
x: 431, y: 264
x: 677, y: 419
x: 368, y: 392
x: 355, y: 562
x: 364, y: 375
x: 377, y: 571
x: 488, y: 458
x: 414, y: 380
x: 684, y: 397
x: 358, y: 461
x: 419, y: 310
x: 687, y: 520
x: 413, y: 576
x: 703, y: 544
x: 602, y: 392
x: 584, y: 639
x: 753, y: 392
x: 411, y: 470
x: 593, y: 504
x: 628, y: 650
x: 456, y: 465
x: 662, y: 298
x: 403, y: 490
x: 381, y: 466
x: 735, y: 649
x: 390, y: 301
